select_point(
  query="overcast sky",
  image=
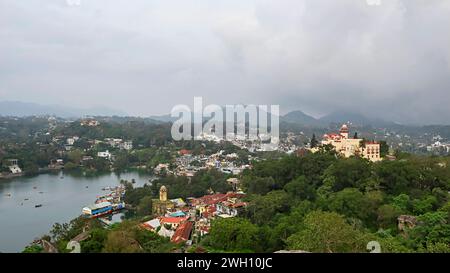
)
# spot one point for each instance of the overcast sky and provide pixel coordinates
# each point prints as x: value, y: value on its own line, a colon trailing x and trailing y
x: 142, y: 56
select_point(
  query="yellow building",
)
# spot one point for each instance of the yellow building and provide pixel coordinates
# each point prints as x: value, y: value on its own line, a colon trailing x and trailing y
x: 162, y: 205
x: 352, y: 146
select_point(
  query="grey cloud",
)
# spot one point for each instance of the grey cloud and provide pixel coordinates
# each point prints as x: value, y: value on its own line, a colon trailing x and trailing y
x: 145, y: 56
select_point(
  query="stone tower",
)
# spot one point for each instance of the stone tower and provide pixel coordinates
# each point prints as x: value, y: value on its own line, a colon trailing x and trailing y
x: 163, y: 194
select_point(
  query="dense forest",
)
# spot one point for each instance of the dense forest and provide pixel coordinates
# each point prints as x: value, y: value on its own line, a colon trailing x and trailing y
x: 322, y: 203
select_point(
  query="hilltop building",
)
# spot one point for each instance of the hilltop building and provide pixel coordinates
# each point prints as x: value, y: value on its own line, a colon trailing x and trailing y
x: 348, y: 147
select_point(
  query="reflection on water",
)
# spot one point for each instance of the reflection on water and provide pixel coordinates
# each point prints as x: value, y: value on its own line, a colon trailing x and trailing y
x: 29, y: 206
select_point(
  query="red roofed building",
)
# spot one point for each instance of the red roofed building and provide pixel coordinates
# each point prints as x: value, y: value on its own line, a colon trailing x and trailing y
x: 213, y: 199
x: 209, y: 212
x: 210, y: 205
x: 183, y: 232
x: 231, y: 207
x: 184, y: 152
x: 173, y: 222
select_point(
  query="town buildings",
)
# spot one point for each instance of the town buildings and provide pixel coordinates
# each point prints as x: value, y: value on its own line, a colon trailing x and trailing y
x: 183, y: 222
x: 90, y: 122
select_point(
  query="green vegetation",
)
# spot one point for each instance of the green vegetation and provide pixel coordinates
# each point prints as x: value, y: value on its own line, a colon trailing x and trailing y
x: 234, y: 235
x: 315, y: 203
x: 322, y: 203
x: 125, y: 237
x: 33, y: 249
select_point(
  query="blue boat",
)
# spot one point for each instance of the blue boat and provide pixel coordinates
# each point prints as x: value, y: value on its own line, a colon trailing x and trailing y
x: 98, y: 210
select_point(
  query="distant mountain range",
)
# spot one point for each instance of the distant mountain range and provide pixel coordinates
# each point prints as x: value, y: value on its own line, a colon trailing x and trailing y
x: 355, y: 118
x: 22, y: 109
x: 300, y: 118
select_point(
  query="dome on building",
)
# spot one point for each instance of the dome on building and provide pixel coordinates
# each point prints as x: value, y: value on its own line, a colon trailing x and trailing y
x: 163, y: 189
x: 344, y: 128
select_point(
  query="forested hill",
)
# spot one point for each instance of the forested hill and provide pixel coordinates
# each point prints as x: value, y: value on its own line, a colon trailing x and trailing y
x: 320, y: 203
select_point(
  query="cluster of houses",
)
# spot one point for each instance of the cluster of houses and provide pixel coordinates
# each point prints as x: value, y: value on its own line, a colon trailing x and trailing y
x: 90, y: 122
x: 186, y: 222
x: 119, y: 143
x: 252, y: 145
x: 187, y: 164
x: 439, y: 146
x: 67, y: 144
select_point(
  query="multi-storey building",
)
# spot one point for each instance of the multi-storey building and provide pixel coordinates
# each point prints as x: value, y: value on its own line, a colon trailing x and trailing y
x: 347, y: 146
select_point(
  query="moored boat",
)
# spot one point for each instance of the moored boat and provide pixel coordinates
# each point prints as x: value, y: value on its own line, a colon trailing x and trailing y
x: 98, y: 209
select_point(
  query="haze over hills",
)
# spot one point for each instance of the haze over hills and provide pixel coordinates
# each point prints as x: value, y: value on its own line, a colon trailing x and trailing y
x: 355, y: 118
x: 298, y: 117
x: 22, y: 109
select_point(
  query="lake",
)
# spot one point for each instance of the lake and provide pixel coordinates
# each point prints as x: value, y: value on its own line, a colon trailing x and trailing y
x: 62, y: 200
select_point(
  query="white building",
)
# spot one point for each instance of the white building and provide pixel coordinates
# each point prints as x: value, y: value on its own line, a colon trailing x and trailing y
x: 14, y: 166
x: 71, y: 141
x: 127, y: 145
x: 105, y: 154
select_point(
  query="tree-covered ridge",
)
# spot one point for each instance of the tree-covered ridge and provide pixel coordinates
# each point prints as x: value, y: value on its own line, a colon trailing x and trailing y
x: 321, y: 203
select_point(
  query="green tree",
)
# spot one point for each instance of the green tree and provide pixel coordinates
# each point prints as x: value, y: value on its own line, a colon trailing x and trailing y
x: 75, y: 156
x: 234, y: 235
x: 258, y: 185
x: 314, y: 141
x: 33, y: 249
x: 301, y: 188
x: 95, y: 242
x: 351, y: 172
x: 402, y: 202
x: 387, y: 216
x: 396, y: 177
x: 145, y: 206
x: 351, y: 203
x: 433, y: 228
x: 262, y: 209
x: 424, y: 205
x: 327, y: 232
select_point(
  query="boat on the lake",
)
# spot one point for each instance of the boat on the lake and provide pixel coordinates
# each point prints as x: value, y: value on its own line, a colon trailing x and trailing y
x: 38, y: 206
x: 98, y: 210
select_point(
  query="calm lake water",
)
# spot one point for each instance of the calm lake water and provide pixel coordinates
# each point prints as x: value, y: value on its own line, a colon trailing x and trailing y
x: 62, y: 200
